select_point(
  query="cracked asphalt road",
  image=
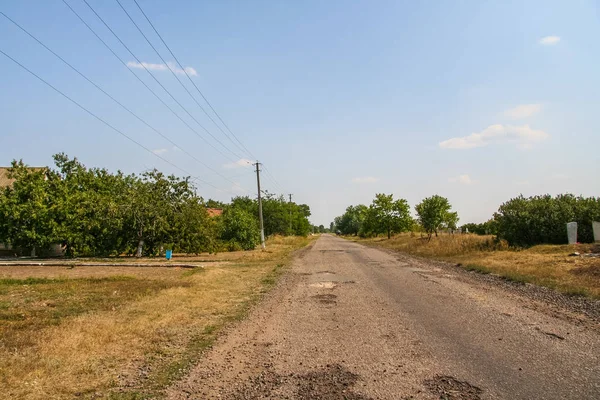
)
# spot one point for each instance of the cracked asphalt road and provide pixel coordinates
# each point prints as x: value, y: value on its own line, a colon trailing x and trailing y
x: 352, y: 322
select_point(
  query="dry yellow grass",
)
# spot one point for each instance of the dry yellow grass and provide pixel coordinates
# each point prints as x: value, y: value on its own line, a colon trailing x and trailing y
x: 546, y: 265
x: 122, y: 346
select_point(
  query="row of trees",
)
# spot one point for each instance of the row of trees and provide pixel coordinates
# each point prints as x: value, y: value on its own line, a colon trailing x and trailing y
x: 90, y: 211
x: 520, y: 221
x: 388, y: 216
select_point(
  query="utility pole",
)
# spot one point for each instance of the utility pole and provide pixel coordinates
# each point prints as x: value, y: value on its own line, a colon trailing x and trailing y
x: 290, y: 207
x: 260, y: 214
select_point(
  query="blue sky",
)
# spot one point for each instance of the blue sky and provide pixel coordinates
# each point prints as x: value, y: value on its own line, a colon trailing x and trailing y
x: 477, y: 101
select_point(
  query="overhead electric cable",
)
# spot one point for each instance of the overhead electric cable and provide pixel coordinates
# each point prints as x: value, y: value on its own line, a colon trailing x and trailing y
x: 102, y: 120
x: 115, y: 100
x: 243, y: 148
x: 179, y: 80
x: 155, y: 79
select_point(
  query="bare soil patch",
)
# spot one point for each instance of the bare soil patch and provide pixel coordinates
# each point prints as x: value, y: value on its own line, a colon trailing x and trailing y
x: 332, y: 382
x: 450, y: 388
x: 325, y: 298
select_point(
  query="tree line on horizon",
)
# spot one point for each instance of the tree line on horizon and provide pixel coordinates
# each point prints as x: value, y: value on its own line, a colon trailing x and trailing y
x: 521, y: 221
x: 388, y: 216
x: 92, y: 212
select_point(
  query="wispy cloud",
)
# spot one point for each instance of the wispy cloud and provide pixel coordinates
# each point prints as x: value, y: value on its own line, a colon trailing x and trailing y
x: 462, y: 179
x: 549, y: 40
x: 523, y: 111
x: 163, y: 67
x: 160, y: 151
x: 523, y: 136
x: 365, y: 179
x: 242, y: 162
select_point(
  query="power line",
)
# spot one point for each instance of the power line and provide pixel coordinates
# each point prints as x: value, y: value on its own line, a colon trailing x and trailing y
x: 269, y: 175
x: 176, y: 77
x: 272, y: 178
x: 113, y: 99
x: 179, y: 80
x: 155, y: 79
x: 193, y: 83
x: 103, y: 121
x: 145, y: 85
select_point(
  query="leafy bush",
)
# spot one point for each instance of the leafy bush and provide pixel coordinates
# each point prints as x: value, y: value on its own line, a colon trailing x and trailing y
x: 91, y: 211
x: 542, y: 219
x: 240, y: 228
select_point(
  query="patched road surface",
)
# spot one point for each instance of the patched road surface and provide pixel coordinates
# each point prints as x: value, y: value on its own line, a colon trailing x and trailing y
x: 352, y: 322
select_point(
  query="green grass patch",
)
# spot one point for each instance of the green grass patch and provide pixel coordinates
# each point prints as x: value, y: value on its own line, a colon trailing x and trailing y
x: 28, y: 305
x: 193, y: 271
x: 40, y: 281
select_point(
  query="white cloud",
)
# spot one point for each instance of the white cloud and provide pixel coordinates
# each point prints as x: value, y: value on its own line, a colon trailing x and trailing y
x: 242, y: 162
x: 523, y: 136
x: 523, y: 111
x: 162, y: 67
x: 549, y: 40
x: 160, y: 151
x: 365, y: 179
x: 462, y: 179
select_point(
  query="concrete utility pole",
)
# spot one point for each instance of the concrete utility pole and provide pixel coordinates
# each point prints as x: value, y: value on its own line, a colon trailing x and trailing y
x: 290, y: 207
x: 260, y: 215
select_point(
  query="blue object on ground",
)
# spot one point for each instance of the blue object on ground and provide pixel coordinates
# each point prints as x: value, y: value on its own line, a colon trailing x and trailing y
x: 169, y: 254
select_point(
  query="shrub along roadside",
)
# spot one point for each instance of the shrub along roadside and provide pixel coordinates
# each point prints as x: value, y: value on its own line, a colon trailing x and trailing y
x: 93, y: 212
x: 542, y: 219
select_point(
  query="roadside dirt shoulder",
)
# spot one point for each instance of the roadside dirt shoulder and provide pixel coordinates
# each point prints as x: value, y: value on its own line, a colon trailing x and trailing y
x: 579, y: 309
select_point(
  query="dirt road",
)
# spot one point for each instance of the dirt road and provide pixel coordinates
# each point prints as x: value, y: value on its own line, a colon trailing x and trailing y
x: 351, y: 322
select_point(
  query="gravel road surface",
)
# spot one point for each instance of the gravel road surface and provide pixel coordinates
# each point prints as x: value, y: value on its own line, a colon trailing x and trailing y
x: 352, y: 322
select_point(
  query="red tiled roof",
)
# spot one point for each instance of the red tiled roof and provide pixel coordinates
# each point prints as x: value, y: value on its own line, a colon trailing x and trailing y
x: 213, y: 212
x: 5, y: 181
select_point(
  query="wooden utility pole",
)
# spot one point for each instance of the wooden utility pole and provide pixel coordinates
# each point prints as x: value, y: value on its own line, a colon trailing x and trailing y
x: 290, y: 207
x: 260, y: 214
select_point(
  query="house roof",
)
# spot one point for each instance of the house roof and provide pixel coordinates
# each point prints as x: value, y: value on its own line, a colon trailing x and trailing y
x: 213, y: 212
x: 5, y: 181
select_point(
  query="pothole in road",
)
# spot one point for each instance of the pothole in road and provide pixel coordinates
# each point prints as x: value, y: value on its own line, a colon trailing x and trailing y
x: 325, y: 298
x: 450, y: 388
x: 323, y: 285
x: 333, y: 382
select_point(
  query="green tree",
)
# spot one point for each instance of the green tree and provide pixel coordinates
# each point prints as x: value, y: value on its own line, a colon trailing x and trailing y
x: 210, y: 203
x: 240, y: 228
x: 434, y: 213
x: 351, y: 222
x: 193, y: 231
x: 88, y: 207
x: 25, y: 211
x: 387, y: 216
